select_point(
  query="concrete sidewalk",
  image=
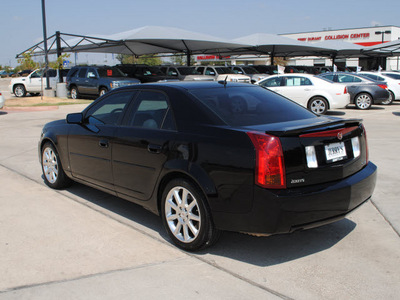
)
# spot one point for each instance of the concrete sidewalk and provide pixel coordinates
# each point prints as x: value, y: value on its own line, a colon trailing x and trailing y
x: 84, y: 244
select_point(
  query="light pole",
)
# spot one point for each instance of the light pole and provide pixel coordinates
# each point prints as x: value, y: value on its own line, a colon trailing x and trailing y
x: 383, y: 34
x: 46, y: 59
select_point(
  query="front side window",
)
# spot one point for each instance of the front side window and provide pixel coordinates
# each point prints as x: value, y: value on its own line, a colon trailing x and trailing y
x: 272, y: 82
x: 110, y: 110
x: 82, y: 73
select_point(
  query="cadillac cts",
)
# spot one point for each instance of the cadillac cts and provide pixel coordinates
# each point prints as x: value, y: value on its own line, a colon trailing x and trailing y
x: 209, y: 157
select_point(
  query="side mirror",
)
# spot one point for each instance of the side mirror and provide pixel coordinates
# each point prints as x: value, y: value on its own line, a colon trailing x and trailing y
x: 75, y: 118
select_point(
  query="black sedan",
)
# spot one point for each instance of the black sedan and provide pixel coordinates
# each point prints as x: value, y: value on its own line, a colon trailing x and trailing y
x: 363, y: 91
x: 209, y: 157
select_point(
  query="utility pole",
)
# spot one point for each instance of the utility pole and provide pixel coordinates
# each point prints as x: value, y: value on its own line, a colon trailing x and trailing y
x: 46, y: 59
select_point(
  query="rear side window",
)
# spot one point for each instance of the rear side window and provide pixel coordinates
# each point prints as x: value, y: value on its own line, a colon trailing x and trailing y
x: 247, y: 106
x: 152, y: 112
x: 348, y: 78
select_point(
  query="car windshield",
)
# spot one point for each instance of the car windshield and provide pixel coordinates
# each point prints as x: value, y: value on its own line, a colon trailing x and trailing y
x: 188, y: 71
x: 224, y: 70
x: 110, y: 72
x: 151, y: 71
x: 249, y: 106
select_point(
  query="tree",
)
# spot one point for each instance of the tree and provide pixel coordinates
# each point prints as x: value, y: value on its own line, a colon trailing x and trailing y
x: 181, y: 60
x: 151, y: 59
x: 26, y: 62
x: 58, y: 64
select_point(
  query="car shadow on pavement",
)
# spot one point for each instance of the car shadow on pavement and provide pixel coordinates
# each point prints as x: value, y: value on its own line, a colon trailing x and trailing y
x: 278, y: 249
x: 397, y: 114
x: 3, y: 113
x: 260, y: 251
x: 335, y: 113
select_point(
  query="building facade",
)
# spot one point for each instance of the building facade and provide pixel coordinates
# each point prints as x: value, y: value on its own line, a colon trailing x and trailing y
x: 367, y: 36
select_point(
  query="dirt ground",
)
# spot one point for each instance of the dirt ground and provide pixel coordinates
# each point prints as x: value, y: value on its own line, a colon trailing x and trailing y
x: 42, y: 101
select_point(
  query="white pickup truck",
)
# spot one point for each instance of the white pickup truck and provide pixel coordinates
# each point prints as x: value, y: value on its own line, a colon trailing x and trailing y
x: 35, y: 82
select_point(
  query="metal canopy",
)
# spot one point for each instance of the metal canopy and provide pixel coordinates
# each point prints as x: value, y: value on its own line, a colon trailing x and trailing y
x: 169, y: 40
x: 386, y: 49
x: 141, y: 41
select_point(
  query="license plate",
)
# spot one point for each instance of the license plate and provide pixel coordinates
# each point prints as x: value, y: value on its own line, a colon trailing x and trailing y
x: 335, y: 152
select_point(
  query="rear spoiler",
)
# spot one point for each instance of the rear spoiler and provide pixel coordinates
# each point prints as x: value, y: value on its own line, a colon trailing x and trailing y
x: 303, y: 128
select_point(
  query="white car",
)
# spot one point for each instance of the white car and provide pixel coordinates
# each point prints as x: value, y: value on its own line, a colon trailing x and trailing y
x: 249, y: 71
x: 221, y: 73
x: 317, y: 94
x: 185, y: 73
x: 1, y: 100
x: 35, y: 82
x: 392, y: 80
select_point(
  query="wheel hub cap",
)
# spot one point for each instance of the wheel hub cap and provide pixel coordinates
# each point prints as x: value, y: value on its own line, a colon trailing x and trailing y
x: 182, y: 214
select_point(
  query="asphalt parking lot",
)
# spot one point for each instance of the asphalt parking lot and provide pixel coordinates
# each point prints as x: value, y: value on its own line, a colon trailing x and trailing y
x: 84, y: 244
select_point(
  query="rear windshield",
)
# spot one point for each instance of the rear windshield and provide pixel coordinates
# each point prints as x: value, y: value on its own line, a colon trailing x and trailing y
x: 391, y: 75
x: 252, y: 105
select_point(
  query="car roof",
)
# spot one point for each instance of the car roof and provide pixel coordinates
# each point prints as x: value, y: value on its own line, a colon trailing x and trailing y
x: 187, y: 85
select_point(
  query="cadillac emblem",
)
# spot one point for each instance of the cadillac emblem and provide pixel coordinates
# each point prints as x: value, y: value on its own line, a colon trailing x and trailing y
x: 340, y: 136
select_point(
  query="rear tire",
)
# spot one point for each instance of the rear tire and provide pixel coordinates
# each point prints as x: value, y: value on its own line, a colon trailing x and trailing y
x: 53, y: 172
x: 102, y: 91
x: 186, y: 216
x: 389, y: 100
x: 318, y: 105
x: 74, y: 93
x: 363, y: 101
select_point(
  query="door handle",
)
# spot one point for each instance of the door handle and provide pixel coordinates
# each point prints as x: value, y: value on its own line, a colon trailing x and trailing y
x: 154, y: 148
x: 103, y: 143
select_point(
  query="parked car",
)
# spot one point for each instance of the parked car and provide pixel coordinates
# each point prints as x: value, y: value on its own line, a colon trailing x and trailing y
x: 185, y: 73
x: 223, y: 74
x: 363, y: 91
x: 25, y: 73
x: 249, y: 71
x: 35, y: 82
x: 145, y: 73
x: 2, y: 100
x: 271, y: 70
x: 183, y: 151
x: 96, y: 80
x: 317, y: 94
x: 392, y: 84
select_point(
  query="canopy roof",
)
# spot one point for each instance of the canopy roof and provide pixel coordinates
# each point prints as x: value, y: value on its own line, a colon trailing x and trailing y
x: 161, y: 40
x: 141, y: 41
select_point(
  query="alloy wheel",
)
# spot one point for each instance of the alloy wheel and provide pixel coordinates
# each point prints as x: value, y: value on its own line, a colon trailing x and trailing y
x: 182, y: 213
x: 50, y: 165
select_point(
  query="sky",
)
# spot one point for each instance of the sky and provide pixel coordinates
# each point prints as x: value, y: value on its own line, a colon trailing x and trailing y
x: 21, y: 21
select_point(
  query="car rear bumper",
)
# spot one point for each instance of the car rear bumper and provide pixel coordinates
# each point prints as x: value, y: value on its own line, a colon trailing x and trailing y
x: 284, y: 211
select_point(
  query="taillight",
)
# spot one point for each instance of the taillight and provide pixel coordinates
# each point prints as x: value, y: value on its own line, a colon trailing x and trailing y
x: 345, y: 90
x: 383, y: 86
x: 366, y: 145
x: 270, y: 165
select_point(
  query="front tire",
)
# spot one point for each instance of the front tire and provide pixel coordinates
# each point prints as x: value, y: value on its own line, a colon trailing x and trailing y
x: 102, y: 91
x: 53, y: 172
x: 363, y: 101
x: 19, y: 91
x: 186, y: 217
x: 318, y: 105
